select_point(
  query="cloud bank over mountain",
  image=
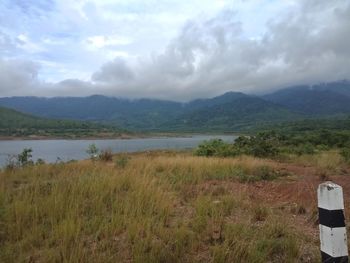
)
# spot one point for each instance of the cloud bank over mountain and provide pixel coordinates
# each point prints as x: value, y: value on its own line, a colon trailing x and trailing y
x: 249, y: 46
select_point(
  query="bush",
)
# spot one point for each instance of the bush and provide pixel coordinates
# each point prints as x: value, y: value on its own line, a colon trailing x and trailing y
x: 92, y: 151
x: 40, y: 161
x: 214, y: 147
x: 261, y: 145
x: 106, y: 155
x: 306, y: 148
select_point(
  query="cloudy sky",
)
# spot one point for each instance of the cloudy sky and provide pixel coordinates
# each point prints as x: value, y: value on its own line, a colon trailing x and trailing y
x: 170, y: 49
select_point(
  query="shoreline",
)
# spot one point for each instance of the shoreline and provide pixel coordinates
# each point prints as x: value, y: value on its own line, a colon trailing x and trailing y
x: 106, y: 137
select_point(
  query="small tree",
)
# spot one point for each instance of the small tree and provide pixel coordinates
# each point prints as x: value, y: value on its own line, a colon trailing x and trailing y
x: 25, y: 158
x: 92, y: 151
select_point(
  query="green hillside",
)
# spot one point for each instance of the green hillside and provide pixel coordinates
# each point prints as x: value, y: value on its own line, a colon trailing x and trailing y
x: 316, y: 101
x: 241, y: 113
x: 14, y: 123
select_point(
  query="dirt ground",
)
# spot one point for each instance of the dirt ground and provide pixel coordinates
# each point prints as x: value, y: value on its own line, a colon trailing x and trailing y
x: 296, y: 194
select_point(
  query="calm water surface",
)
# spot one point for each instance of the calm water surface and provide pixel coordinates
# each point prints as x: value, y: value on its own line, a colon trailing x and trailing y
x: 65, y: 150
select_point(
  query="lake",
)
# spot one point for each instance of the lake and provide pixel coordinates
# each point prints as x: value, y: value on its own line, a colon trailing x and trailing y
x: 65, y: 150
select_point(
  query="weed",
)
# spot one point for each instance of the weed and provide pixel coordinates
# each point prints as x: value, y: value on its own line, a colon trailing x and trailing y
x: 106, y: 155
x: 121, y: 161
x: 260, y: 213
x: 301, y: 210
x: 265, y: 173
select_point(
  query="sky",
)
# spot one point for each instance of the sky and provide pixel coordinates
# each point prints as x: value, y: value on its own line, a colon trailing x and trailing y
x: 170, y: 49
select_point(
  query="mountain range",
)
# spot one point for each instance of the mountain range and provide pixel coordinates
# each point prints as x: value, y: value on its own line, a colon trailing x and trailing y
x: 231, y: 111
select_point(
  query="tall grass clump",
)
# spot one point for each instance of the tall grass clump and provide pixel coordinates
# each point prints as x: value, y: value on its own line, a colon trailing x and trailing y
x: 106, y: 155
x: 345, y: 153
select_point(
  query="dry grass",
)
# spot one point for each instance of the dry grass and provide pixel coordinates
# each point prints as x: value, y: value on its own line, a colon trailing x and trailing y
x: 153, y: 208
x: 327, y: 163
x: 324, y: 160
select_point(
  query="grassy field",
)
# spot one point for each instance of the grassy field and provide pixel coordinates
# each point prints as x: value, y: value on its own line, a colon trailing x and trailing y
x: 165, y: 207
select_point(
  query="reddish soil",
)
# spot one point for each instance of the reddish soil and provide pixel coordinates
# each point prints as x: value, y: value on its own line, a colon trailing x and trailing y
x: 296, y: 194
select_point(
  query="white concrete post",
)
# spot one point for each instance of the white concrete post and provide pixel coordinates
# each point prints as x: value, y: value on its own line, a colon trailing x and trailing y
x: 334, y: 246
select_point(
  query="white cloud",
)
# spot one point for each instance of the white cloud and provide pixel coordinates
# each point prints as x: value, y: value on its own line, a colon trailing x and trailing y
x: 105, y: 41
x: 213, y: 56
x: 28, y: 45
x: 171, y: 49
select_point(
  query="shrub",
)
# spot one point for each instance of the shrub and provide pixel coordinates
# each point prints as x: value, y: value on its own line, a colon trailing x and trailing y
x: 322, y: 147
x: 261, y: 145
x: 106, y: 155
x: 40, y: 161
x: 214, y: 147
x: 261, y: 148
x: 92, y: 151
x: 306, y: 148
x: 264, y: 145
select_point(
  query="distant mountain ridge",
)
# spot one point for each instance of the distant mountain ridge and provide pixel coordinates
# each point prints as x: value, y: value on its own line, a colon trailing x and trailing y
x: 126, y: 113
x: 323, y: 99
x: 231, y: 111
